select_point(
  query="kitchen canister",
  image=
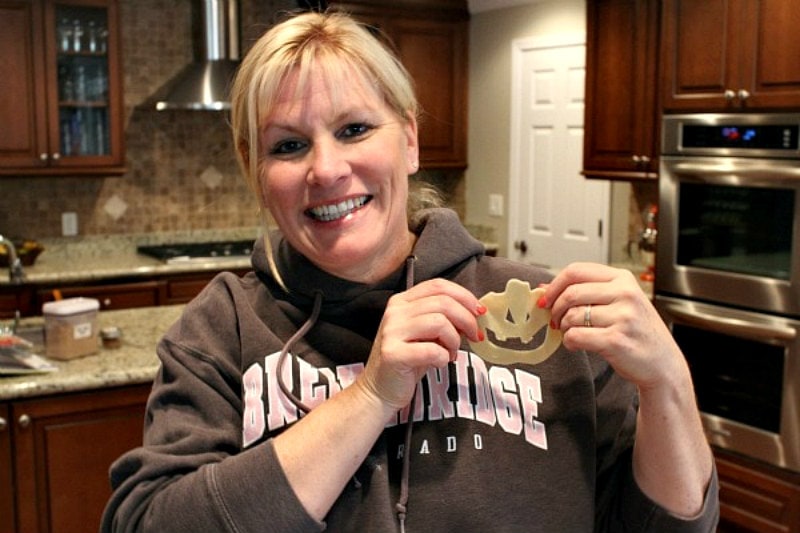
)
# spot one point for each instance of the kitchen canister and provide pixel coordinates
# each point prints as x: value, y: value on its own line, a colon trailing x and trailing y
x: 70, y: 327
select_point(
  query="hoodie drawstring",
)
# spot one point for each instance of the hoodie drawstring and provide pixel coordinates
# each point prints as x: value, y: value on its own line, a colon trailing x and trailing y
x: 299, y: 334
x: 401, y: 507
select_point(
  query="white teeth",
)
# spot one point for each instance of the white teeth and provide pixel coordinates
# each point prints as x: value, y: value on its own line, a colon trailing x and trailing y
x: 330, y: 212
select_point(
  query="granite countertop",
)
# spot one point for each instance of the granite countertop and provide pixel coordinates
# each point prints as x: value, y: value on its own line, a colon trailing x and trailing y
x: 71, y: 259
x: 134, y: 362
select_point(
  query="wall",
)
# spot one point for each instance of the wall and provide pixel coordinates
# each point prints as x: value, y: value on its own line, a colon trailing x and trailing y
x: 491, y: 37
x: 182, y: 174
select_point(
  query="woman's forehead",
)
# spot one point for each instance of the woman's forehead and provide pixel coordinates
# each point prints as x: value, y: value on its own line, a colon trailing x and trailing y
x: 341, y: 85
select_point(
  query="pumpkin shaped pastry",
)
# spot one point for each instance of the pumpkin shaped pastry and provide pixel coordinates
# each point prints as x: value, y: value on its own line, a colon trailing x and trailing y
x: 511, y: 322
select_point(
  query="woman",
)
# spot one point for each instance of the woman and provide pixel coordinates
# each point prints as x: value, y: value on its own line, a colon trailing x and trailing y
x: 334, y: 387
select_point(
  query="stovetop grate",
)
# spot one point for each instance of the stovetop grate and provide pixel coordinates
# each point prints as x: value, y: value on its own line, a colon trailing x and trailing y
x: 216, y: 249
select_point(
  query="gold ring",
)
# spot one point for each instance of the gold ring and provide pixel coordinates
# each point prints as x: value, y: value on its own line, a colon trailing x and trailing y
x: 587, y: 316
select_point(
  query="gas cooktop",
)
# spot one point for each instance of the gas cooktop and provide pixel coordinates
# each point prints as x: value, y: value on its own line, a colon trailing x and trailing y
x: 198, y: 251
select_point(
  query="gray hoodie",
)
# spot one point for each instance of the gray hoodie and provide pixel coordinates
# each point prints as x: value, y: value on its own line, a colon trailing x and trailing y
x: 519, y: 448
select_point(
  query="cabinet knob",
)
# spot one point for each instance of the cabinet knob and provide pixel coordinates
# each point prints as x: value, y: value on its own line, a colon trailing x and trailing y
x: 3, y: 423
x: 644, y: 159
x: 43, y: 157
x: 522, y: 246
x: 56, y: 156
x: 729, y: 94
x: 743, y: 94
x: 106, y: 302
x: 24, y: 421
x: 636, y: 159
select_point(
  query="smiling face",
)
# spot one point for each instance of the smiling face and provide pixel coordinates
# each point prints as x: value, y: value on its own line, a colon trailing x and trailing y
x: 333, y: 173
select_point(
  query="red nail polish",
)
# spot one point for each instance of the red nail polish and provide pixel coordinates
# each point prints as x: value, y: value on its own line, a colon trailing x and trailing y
x: 481, y: 336
x: 481, y: 309
x: 541, y: 303
x: 553, y: 325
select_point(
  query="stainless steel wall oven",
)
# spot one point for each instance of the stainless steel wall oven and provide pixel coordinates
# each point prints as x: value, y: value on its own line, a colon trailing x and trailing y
x: 728, y: 273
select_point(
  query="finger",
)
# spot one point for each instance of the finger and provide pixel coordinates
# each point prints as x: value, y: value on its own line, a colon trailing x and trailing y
x: 577, y: 273
x: 456, y: 303
x: 420, y: 341
x: 588, y: 284
x: 583, y: 317
x: 443, y: 287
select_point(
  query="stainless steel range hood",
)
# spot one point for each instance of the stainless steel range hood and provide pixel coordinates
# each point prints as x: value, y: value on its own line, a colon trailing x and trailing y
x: 204, y: 83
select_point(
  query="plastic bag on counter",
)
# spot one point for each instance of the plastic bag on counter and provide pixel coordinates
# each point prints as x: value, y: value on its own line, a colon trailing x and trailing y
x: 17, y: 357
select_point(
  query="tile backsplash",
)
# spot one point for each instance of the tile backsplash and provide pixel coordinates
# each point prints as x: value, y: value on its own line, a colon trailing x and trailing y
x: 182, y: 173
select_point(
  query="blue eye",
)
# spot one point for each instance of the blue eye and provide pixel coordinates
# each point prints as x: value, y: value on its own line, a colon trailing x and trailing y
x: 354, y: 130
x: 287, y: 147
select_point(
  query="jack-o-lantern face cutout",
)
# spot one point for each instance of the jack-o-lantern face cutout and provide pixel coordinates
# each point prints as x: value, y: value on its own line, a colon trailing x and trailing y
x: 514, y: 316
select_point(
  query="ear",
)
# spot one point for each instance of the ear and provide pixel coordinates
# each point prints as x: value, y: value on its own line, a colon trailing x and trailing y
x: 412, y: 144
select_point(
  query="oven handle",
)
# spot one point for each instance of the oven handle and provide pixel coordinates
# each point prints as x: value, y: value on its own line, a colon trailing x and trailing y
x: 722, y: 167
x: 732, y: 326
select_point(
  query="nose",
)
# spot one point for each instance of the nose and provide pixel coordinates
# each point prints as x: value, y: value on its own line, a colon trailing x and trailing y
x: 328, y: 163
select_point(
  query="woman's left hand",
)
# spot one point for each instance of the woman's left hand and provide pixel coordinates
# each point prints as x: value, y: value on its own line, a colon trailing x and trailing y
x: 604, y: 310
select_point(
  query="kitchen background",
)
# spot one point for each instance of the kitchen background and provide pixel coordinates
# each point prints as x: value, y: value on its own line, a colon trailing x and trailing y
x: 182, y: 174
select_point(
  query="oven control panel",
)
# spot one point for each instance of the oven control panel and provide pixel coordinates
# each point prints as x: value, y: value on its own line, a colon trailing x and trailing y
x: 775, y: 135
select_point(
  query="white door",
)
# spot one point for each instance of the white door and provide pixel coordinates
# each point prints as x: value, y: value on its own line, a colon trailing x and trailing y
x: 556, y: 216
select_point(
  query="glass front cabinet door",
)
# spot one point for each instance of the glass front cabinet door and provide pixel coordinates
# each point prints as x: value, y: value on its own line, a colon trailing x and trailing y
x: 84, y: 39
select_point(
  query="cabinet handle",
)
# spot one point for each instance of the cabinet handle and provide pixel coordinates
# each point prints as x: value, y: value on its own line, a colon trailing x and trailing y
x: 522, y: 246
x: 729, y: 94
x: 24, y: 421
x: 3, y: 424
x: 743, y: 94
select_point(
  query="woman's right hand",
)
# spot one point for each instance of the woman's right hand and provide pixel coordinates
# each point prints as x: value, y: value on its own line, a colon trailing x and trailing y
x: 421, y: 328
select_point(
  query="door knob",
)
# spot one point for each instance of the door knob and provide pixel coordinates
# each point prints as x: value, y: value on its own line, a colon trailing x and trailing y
x: 522, y: 246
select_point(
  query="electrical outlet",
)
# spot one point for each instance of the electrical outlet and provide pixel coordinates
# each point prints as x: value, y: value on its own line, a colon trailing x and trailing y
x: 496, y: 205
x: 69, y: 224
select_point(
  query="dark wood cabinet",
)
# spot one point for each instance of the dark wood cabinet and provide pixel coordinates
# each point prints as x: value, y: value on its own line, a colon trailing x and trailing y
x: 63, y: 448
x: 14, y: 298
x: 728, y: 55
x: 64, y: 99
x: 112, y: 296
x: 181, y: 289
x: 621, y: 128
x: 431, y: 39
x: 6, y: 474
x: 755, y: 497
x: 119, y: 293
x: 24, y: 97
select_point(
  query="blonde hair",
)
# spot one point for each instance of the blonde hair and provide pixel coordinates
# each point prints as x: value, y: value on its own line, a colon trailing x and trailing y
x: 337, y: 45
